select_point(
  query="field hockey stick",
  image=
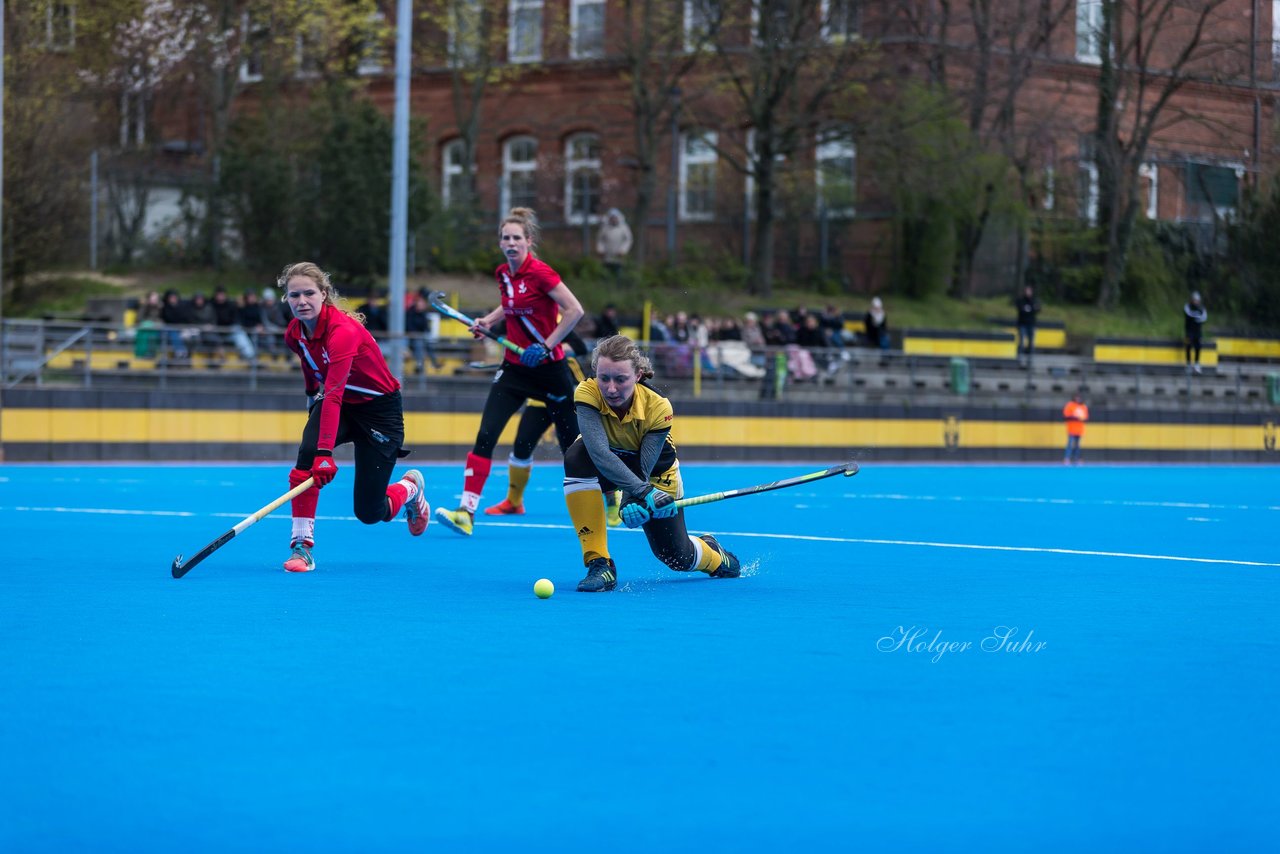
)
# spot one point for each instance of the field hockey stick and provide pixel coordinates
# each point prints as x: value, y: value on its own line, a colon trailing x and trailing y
x: 180, y: 569
x: 437, y: 302
x: 846, y: 469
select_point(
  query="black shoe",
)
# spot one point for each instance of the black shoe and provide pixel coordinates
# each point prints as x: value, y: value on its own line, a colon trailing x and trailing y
x: 730, y: 567
x: 602, y: 575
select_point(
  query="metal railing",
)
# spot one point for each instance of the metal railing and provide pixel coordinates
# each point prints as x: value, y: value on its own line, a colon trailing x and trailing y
x: 39, y: 352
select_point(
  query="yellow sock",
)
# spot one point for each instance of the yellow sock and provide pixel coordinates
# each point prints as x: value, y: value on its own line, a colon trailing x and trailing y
x: 708, y: 558
x: 517, y: 480
x: 586, y: 510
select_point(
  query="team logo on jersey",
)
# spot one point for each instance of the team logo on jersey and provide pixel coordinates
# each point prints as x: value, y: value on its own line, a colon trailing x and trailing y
x: 523, y: 289
x: 324, y: 354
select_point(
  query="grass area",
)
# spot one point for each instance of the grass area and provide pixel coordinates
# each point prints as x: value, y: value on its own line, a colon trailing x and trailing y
x: 67, y: 294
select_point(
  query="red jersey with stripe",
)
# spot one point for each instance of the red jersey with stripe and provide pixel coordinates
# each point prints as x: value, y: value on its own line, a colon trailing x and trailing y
x: 531, y: 314
x: 342, y: 359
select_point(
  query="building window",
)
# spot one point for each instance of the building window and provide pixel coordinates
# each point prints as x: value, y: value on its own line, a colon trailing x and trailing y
x: 1213, y: 190
x: 373, y: 51
x: 582, y: 178
x: 519, y: 173
x: 835, y: 160
x: 253, y: 41
x: 1050, y: 187
x: 841, y: 20
x: 60, y: 26
x: 464, y: 33
x: 133, y: 119
x: 1089, y: 30
x: 1275, y: 39
x: 586, y: 22
x: 524, y: 40
x: 701, y: 19
x: 455, y: 182
x: 697, y: 175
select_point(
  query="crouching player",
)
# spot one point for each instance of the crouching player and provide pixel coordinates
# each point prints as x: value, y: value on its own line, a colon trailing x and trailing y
x: 625, y: 442
x: 356, y: 400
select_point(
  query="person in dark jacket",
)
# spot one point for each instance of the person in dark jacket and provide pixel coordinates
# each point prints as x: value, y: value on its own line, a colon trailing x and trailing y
x: 1028, y: 307
x: 1194, y: 316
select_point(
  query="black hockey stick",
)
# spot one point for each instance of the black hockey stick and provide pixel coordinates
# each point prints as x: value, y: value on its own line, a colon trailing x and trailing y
x: 437, y: 302
x: 180, y: 569
x: 846, y: 469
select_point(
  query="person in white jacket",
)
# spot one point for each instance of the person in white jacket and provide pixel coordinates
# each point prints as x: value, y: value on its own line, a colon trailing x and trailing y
x: 613, y: 243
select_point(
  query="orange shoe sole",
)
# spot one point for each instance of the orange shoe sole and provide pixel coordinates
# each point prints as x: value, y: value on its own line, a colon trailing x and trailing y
x: 506, y: 508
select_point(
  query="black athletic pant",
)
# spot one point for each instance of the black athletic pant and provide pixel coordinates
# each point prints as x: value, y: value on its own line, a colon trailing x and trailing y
x: 549, y: 382
x: 376, y: 429
x: 668, y: 538
x: 1193, y: 346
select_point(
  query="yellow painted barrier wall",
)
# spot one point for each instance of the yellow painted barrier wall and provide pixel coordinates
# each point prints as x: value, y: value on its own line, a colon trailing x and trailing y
x: 44, y: 432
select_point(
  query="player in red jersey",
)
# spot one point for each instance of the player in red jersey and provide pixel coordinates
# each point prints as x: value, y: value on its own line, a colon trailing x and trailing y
x: 540, y: 312
x: 353, y: 398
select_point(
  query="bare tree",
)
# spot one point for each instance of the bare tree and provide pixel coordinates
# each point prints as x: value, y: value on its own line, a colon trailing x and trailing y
x: 787, y: 68
x: 658, y: 54
x: 983, y: 53
x: 470, y: 38
x: 1149, y: 51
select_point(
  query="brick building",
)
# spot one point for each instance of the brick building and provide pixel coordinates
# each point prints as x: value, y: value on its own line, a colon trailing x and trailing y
x: 556, y: 123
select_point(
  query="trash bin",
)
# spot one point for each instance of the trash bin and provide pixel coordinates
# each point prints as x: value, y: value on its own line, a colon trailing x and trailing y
x: 145, y: 341
x: 959, y: 375
x: 1273, y: 388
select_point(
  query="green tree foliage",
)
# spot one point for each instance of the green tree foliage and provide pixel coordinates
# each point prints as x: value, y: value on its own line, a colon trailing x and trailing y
x: 315, y: 184
x: 942, y: 183
x: 1253, y: 288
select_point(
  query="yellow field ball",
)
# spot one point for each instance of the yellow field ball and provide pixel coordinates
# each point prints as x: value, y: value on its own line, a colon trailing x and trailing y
x: 543, y: 588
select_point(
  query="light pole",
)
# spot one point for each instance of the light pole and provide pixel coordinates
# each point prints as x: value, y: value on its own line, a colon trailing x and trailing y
x: 399, y: 190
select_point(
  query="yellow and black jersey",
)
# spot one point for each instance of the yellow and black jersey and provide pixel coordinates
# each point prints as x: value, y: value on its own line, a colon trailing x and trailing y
x: 650, y: 412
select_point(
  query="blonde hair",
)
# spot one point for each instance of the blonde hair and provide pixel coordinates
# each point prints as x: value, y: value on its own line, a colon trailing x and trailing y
x: 312, y: 271
x: 526, y: 219
x: 620, y: 348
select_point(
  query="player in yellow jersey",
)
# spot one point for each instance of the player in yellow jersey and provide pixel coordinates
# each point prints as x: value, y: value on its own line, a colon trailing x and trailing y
x: 625, y: 442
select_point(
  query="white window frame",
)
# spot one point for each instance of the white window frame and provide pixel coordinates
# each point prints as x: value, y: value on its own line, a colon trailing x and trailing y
x: 51, y: 36
x: 1050, y: 187
x: 464, y: 12
x: 703, y: 157
x: 838, y: 145
x: 849, y: 23
x: 519, y: 11
x: 512, y: 167
x: 250, y: 49
x: 452, y: 168
x: 1089, y: 173
x: 576, y: 48
x: 696, y: 16
x: 1275, y: 39
x: 1089, y: 31
x: 575, y: 163
x: 1151, y: 172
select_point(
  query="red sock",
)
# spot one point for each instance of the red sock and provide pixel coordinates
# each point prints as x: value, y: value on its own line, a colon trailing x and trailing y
x: 477, y: 473
x: 305, y: 504
x: 397, y: 494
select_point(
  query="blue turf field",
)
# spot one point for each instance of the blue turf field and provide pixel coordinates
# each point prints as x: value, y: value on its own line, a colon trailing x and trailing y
x: 415, y: 695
